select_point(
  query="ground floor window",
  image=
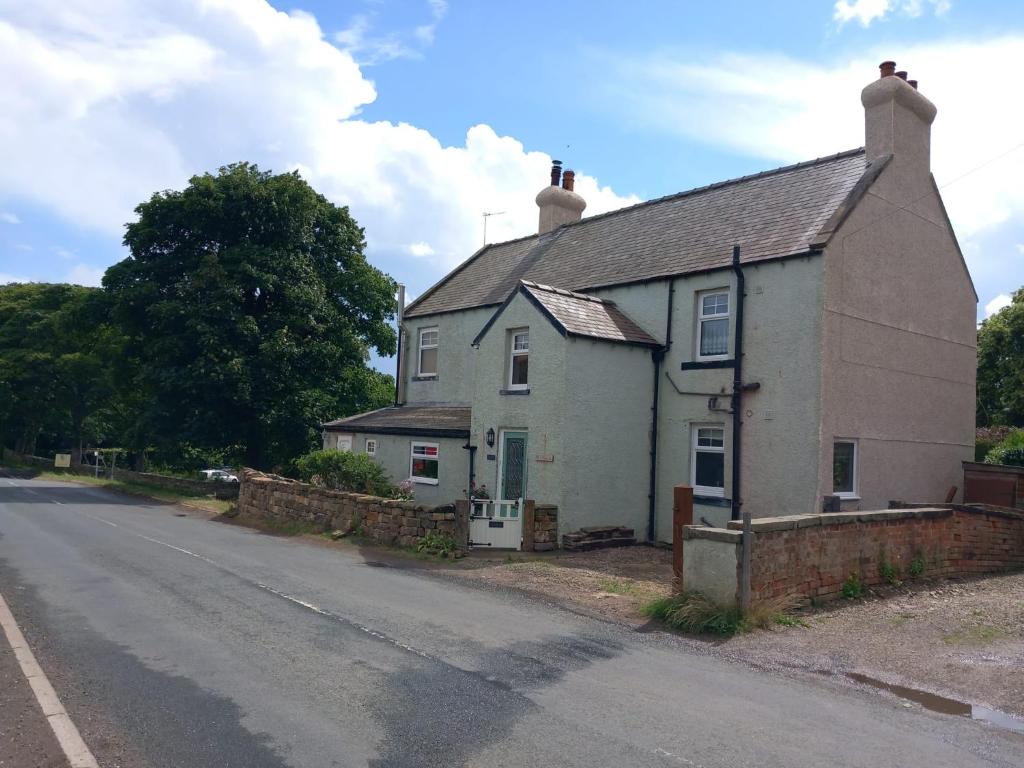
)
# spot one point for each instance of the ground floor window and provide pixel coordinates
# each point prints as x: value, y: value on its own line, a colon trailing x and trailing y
x: 708, y: 461
x: 844, y: 468
x: 371, y: 447
x: 344, y: 443
x: 423, y: 463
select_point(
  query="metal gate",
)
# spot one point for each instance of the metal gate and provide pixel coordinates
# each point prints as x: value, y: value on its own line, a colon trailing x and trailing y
x: 496, y: 524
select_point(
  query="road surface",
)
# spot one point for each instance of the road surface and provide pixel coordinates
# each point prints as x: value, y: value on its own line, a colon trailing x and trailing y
x: 178, y: 641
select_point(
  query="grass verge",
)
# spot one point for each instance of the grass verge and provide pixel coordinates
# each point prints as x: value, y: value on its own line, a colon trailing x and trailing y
x: 694, y: 613
x: 206, y: 503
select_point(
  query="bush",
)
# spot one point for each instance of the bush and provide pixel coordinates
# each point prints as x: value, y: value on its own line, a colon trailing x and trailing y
x: 346, y: 471
x: 1009, y: 451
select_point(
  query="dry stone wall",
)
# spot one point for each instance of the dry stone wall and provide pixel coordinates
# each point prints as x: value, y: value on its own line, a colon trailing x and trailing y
x: 386, y: 521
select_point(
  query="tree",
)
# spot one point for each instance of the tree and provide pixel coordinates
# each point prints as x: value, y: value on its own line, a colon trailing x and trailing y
x: 252, y: 310
x: 1001, y: 366
x: 57, y: 349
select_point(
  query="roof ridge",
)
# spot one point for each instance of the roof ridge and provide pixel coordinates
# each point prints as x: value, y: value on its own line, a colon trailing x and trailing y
x: 566, y: 292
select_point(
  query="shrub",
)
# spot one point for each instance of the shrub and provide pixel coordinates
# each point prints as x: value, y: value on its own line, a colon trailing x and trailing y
x: 346, y: 471
x: 1009, y: 451
x: 435, y: 543
x: 853, y: 587
x: 916, y: 568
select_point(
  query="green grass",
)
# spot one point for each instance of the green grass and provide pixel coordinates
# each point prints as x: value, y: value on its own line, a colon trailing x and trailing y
x: 207, y: 503
x: 616, y: 587
x: 694, y: 613
x: 853, y: 587
x: 978, y: 635
x: 785, y: 620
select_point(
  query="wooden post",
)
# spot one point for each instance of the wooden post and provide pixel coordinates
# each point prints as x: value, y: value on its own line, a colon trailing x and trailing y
x: 682, y: 515
x: 462, y: 510
x: 529, y: 515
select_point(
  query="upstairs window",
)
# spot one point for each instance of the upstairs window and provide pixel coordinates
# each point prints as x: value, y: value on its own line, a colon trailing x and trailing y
x: 427, y: 352
x: 713, y: 325
x: 519, y: 364
x: 423, y: 463
x: 708, y: 461
x: 844, y: 469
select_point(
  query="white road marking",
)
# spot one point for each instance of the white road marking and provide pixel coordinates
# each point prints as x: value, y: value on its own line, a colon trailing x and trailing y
x: 101, y: 520
x: 64, y: 729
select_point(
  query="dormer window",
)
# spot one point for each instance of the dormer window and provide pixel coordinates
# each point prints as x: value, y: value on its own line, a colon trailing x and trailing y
x: 519, y: 363
x: 713, y: 325
x: 428, y: 338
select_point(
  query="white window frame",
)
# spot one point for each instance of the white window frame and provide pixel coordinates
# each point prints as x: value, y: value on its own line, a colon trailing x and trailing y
x: 513, y: 353
x: 371, y: 446
x: 347, y: 437
x: 420, y: 346
x: 706, y: 490
x: 702, y: 318
x: 854, y: 494
x: 412, y: 456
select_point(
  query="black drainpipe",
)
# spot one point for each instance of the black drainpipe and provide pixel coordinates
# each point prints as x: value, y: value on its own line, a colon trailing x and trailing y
x: 472, y: 466
x: 658, y: 355
x: 737, y: 384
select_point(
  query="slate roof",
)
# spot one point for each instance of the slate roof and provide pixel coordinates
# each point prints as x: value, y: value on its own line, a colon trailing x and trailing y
x: 578, y: 314
x: 414, y: 419
x: 771, y: 214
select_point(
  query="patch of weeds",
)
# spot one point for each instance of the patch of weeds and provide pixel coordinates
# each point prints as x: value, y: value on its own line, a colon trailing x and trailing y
x: 437, y: 544
x: 888, y: 572
x: 902, y: 618
x: 786, y: 620
x: 692, y: 612
x: 916, y: 568
x: 978, y: 635
x: 853, y: 587
x: 616, y: 587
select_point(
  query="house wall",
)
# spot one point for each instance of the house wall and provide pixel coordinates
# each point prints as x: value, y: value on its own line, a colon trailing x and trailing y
x: 455, y: 358
x: 899, y: 341
x: 606, y: 437
x: 781, y: 352
x: 395, y: 451
x: 542, y: 412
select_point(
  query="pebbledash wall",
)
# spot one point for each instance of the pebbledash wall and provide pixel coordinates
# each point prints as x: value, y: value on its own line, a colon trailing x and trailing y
x: 387, y: 521
x: 811, y: 556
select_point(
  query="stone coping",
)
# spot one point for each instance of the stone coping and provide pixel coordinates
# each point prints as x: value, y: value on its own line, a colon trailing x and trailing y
x: 792, y: 522
x: 294, y: 486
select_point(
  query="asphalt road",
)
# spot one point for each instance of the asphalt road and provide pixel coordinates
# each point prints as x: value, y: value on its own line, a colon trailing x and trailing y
x: 178, y: 641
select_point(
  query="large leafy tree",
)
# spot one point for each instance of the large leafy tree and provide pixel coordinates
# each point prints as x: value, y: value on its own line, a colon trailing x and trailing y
x: 57, y: 354
x: 1001, y: 366
x: 252, y: 310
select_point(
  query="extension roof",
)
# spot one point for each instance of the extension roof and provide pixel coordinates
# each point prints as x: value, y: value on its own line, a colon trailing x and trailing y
x: 773, y: 214
x: 425, y: 420
x: 577, y: 314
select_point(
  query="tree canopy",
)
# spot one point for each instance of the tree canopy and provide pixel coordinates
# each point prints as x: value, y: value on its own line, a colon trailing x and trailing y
x: 251, y: 309
x: 1001, y: 366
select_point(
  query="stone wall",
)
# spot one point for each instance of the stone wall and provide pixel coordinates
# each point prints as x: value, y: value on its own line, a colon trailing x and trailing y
x: 386, y: 521
x: 545, y: 527
x: 811, y: 556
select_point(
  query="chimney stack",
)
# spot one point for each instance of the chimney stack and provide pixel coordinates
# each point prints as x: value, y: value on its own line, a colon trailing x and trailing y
x: 898, y: 120
x: 559, y: 204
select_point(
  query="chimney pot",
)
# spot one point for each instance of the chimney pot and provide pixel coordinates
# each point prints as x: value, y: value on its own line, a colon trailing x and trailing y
x: 556, y: 172
x: 913, y: 84
x: 568, y: 179
x: 887, y: 68
x: 902, y: 76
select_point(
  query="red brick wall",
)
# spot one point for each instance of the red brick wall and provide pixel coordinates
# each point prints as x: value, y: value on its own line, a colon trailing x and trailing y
x: 812, y: 555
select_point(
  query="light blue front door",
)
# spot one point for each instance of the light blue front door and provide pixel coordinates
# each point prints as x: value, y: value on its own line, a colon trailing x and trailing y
x: 513, y: 466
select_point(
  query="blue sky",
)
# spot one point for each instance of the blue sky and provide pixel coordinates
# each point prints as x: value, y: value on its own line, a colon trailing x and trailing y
x: 422, y: 114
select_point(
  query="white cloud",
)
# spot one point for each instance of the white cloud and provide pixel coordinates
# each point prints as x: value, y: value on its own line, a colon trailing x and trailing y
x: 83, y: 274
x: 64, y: 253
x: 128, y: 97
x: 1000, y: 301
x: 421, y: 249
x: 867, y: 11
x: 1020, y: 248
x: 9, y: 218
x: 6, y: 278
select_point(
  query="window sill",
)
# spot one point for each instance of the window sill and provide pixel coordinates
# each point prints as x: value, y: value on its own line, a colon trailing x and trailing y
x: 514, y: 391
x: 423, y: 481
x: 432, y: 377
x: 711, y: 501
x: 847, y: 496
x: 700, y: 365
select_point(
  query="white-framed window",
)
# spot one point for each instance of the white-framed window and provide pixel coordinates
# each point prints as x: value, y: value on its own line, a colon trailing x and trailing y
x: 844, y: 468
x: 344, y: 443
x: 713, y: 325
x: 423, y: 463
x: 519, y: 359
x: 427, y: 353
x: 707, y: 462
x: 371, y: 447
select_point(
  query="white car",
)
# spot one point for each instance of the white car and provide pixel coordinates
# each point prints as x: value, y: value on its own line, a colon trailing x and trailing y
x: 218, y: 476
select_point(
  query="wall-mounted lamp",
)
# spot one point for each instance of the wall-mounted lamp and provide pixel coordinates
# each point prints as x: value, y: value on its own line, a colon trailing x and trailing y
x: 490, y: 437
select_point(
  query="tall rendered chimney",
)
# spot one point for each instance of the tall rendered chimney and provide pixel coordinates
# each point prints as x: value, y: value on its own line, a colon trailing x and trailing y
x: 559, y: 204
x: 898, y: 122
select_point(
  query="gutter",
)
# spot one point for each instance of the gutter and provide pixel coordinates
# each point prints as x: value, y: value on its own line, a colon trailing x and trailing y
x: 737, y: 384
x: 658, y: 355
x: 399, y: 378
